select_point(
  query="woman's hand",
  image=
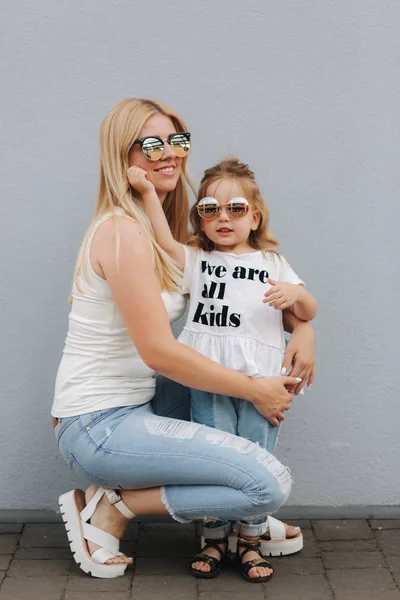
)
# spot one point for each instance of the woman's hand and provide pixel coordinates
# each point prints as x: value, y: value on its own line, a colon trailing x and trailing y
x: 300, y: 354
x: 137, y: 177
x: 273, y: 398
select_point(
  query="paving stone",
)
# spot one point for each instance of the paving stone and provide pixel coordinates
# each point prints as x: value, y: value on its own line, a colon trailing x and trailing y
x: 297, y: 587
x: 349, y: 546
x: 97, y: 596
x: 8, y: 543
x: 2, y: 575
x: 361, y: 579
x: 396, y: 577
x: 389, y: 542
x: 38, y: 568
x: 302, y: 523
x: 368, y: 595
x: 229, y: 580
x: 164, y: 588
x: 385, y: 523
x: 22, y: 588
x: 394, y: 563
x: 310, y: 548
x: 354, y: 560
x: 131, y: 532
x: 11, y: 527
x: 162, y: 566
x: 161, y: 545
x: 354, y: 529
x: 43, y: 553
x: 42, y: 535
x: 256, y: 593
x: 5, y: 561
x: 81, y: 582
x: 297, y: 565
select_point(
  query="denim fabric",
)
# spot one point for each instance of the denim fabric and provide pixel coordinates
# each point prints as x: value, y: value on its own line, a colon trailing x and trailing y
x: 203, y: 472
x: 237, y: 417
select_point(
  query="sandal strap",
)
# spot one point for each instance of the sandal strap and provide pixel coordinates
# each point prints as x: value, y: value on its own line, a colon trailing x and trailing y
x: 101, y: 555
x: 210, y: 560
x: 256, y: 562
x: 100, y: 538
x: 115, y: 499
x: 210, y: 543
x: 249, y: 546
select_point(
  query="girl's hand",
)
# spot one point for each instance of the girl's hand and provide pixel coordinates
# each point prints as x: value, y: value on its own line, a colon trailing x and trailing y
x: 273, y: 397
x: 137, y: 177
x: 281, y: 295
x: 300, y: 354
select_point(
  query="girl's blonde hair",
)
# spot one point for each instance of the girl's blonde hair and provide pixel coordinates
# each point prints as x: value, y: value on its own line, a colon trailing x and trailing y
x: 119, y: 130
x: 233, y: 169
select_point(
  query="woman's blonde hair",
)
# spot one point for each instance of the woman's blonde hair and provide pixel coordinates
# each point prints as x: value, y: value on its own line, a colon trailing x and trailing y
x: 120, y: 128
x: 233, y: 169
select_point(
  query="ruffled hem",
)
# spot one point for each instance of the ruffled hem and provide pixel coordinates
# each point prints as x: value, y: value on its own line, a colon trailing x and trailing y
x: 246, y: 355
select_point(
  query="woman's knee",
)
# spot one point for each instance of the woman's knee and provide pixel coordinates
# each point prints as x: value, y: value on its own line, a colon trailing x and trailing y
x: 276, y: 487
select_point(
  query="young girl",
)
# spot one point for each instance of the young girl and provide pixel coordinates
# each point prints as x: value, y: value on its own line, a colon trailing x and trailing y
x: 238, y: 285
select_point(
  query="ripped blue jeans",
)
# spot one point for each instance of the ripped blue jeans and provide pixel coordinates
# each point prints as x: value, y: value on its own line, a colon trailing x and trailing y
x: 202, y: 472
x: 241, y: 418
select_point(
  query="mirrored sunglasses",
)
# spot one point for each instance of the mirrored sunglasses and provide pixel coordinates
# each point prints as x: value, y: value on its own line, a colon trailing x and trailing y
x: 209, y: 207
x: 153, y: 146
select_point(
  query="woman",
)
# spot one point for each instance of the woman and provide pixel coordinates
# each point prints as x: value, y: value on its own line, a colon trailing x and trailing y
x: 124, y: 295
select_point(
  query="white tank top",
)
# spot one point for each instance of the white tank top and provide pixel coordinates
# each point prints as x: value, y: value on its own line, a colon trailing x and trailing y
x: 101, y: 367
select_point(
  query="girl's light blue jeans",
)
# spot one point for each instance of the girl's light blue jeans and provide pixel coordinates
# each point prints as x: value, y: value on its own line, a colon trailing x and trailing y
x: 237, y: 417
x: 202, y: 472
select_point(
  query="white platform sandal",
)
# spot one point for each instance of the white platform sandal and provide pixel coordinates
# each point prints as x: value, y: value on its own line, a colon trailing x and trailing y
x: 278, y: 544
x: 76, y: 514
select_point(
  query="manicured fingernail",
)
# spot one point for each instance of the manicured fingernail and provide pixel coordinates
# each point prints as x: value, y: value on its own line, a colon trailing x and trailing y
x: 297, y: 528
x: 283, y: 370
x: 299, y: 379
x: 310, y: 385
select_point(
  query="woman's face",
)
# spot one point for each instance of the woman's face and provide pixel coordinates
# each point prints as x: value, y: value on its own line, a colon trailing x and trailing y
x: 163, y: 173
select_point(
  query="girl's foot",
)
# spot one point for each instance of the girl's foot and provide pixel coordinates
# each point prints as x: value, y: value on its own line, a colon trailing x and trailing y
x: 110, y: 520
x: 250, y: 562
x: 213, y: 552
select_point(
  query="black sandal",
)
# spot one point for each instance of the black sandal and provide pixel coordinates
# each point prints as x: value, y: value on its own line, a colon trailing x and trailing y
x: 215, y: 564
x: 244, y: 567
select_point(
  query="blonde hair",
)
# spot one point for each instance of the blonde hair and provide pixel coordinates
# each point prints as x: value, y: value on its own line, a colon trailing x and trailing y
x: 118, y: 131
x: 233, y: 169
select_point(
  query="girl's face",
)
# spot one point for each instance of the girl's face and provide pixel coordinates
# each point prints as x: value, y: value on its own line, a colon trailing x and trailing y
x: 163, y: 173
x: 227, y: 233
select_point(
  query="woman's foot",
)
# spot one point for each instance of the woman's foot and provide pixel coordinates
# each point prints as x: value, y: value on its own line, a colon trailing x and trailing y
x: 280, y: 539
x: 255, y: 572
x: 109, y: 519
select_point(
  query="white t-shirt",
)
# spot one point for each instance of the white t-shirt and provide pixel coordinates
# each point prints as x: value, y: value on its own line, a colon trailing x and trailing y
x: 227, y: 320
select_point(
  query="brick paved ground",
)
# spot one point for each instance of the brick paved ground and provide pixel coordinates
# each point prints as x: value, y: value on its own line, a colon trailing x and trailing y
x: 341, y: 560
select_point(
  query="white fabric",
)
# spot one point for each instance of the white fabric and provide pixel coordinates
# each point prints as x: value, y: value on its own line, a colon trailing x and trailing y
x: 277, y: 529
x: 101, y: 367
x: 227, y: 320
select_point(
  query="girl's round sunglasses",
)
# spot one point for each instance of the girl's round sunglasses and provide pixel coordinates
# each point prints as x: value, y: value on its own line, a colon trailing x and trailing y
x: 209, y: 207
x: 153, y: 146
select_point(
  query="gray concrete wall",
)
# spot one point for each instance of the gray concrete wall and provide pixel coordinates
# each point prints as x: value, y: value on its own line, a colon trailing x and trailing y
x: 307, y: 93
